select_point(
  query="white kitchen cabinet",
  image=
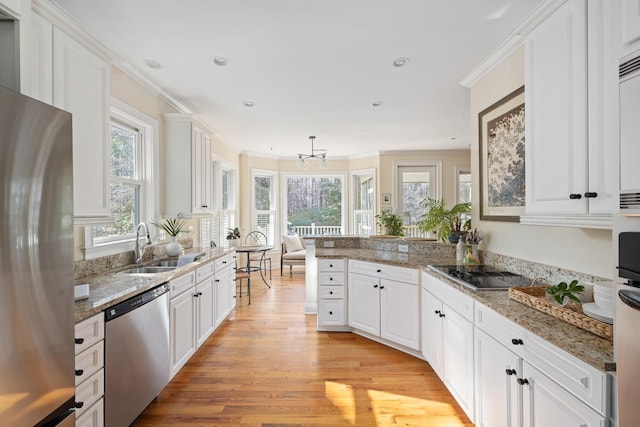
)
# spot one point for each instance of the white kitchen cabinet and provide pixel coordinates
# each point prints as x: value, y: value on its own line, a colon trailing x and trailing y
x: 205, y: 310
x: 447, y: 339
x: 630, y: 26
x: 331, y: 295
x: 546, y: 404
x: 556, y: 389
x: 224, y: 288
x: 389, y: 309
x: 182, y: 326
x: 89, y: 371
x: 188, y: 166
x: 498, y: 394
x: 11, y: 7
x: 568, y: 167
x: 81, y: 87
x: 40, y: 72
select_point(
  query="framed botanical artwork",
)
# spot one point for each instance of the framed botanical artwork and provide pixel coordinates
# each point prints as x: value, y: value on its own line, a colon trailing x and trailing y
x: 502, y: 154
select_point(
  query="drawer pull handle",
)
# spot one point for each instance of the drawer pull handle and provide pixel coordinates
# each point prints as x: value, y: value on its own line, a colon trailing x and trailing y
x: 523, y: 381
x: 375, y: 286
x: 79, y: 372
x: 79, y: 340
x: 575, y: 196
x: 79, y: 405
x: 441, y: 315
x: 331, y: 279
x: 381, y: 287
x: 511, y: 372
x: 378, y: 271
x: 517, y: 341
x: 330, y: 265
x: 437, y: 311
x: 590, y: 195
x: 224, y: 262
x: 330, y: 292
x: 331, y: 313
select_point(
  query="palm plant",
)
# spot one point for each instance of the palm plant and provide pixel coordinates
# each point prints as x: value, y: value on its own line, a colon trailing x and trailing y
x: 442, y: 220
x: 172, y: 226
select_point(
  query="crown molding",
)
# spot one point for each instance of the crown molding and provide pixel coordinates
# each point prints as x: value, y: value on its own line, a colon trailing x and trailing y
x: 513, y: 42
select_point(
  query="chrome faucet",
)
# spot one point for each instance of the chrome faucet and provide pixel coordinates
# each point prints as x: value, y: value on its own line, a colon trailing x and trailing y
x: 139, y: 250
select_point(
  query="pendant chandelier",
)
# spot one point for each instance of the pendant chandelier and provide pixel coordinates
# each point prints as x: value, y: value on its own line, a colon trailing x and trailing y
x: 302, y: 158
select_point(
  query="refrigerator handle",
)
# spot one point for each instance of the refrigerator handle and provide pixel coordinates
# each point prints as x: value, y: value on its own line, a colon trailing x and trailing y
x: 631, y: 298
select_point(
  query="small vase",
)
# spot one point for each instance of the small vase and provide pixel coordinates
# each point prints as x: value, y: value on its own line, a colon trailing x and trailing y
x: 173, y: 248
x: 233, y: 243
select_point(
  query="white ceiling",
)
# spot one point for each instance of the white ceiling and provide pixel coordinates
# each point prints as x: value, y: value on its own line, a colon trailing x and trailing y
x: 312, y: 67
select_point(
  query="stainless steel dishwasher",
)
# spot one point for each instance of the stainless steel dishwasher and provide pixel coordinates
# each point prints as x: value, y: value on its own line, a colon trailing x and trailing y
x: 136, y: 354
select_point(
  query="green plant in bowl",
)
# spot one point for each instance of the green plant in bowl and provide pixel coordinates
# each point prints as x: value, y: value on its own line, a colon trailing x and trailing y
x: 562, y: 290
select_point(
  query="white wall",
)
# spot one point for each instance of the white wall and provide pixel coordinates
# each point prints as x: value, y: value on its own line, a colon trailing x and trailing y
x: 583, y: 250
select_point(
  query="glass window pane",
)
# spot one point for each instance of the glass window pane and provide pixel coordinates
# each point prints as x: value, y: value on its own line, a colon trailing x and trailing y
x: 125, y: 201
x: 464, y: 187
x: 123, y: 152
x: 416, y: 187
x: 263, y: 193
x: 317, y: 201
x: 226, y: 178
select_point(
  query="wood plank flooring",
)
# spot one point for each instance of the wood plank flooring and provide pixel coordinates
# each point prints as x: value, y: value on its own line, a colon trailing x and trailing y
x: 267, y: 366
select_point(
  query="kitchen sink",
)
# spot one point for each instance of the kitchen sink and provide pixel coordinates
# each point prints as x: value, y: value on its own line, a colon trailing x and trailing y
x: 149, y: 270
x: 167, y: 263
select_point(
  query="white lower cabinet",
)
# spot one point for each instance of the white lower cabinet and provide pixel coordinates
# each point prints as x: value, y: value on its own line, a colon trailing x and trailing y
x: 497, y: 391
x: 522, y: 380
x: 385, y: 308
x: 447, y: 339
x: 546, y: 404
x: 89, y: 370
x: 331, y: 295
x: 223, y: 296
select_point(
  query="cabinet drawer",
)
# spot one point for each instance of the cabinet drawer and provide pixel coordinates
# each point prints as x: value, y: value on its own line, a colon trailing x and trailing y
x: 331, y: 278
x: 92, y: 417
x: 331, y: 313
x: 89, y: 362
x: 204, y: 272
x: 331, y: 265
x: 89, y: 332
x: 384, y: 271
x: 331, y: 292
x: 500, y: 328
x: 182, y: 284
x: 222, y: 262
x: 89, y: 392
x: 455, y: 299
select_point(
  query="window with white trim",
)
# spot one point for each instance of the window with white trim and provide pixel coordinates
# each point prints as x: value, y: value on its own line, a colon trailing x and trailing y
x: 415, y: 182
x: 265, y: 205
x: 363, y: 187
x: 132, y: 152
x: 225, y: 184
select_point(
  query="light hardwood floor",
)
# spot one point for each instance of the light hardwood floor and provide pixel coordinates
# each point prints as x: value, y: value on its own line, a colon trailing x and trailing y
x: 267, y: 366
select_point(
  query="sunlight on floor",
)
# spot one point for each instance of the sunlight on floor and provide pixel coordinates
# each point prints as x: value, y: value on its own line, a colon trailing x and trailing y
x: 390, y: 408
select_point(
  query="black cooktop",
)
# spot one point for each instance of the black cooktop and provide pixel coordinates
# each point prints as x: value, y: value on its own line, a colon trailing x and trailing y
x: 481, y: 277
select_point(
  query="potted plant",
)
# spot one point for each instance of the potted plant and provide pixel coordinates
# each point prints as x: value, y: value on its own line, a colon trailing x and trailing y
x: 233, y: 235
x: 560, y: 292
x: 390, y: 223
x: 447, y: 223
x: 173, y: 227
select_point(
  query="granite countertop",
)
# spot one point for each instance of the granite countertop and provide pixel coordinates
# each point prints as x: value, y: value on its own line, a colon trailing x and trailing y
x: 108, y: 289
x: 590, y: 348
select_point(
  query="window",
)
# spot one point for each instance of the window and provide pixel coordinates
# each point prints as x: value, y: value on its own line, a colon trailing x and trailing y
x: 463, y: 184
x: 132, y: 151
x: 414, y: 184
x: 224, y: 216
x: 314, y: 204
x: 265, y: 208
x: 363, y: 203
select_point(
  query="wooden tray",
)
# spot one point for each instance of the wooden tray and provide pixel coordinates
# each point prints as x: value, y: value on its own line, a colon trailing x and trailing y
x: 535, y: 297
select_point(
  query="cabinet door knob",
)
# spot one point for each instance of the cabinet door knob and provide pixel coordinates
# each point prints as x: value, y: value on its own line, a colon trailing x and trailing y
x: 375, y: 286
x: 330, y: 292
x: 517, y: 341
x: 79, y: 340
x: 79, y: 405
x: 590, y: 195
x: 441, y: 315
x: 511, y: 372
x: 437, y: 312
x: 330, y: 265
x: 575, y: 196
x: 331, y: 313
x: 331, y: 279
x: 381, y: 287
x: 523, y: 381
x: 79, y: 372
x: 378, y: 271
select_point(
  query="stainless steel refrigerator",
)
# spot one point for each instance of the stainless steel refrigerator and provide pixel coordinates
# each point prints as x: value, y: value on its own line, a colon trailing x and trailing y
x: 36, y: 264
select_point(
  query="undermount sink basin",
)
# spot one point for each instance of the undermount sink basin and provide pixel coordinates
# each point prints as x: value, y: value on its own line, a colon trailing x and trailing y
x: 149, y: 270
x: 167, y: 263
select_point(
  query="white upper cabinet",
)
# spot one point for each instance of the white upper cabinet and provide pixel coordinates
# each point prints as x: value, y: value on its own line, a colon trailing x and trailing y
x: 11, y: 7
x: 81, y: 87
x: 630, y: 26
x: 188, y: 167
x: 569, y: 171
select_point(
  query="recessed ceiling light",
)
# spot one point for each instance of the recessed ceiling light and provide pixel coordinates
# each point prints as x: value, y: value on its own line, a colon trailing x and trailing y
x: 400, y: 62
x: 377, y: 103
x: 248, y: 103
x: 152, y: 63
x: 219, y: 60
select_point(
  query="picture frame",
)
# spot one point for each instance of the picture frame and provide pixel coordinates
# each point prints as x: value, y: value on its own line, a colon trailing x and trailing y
x: 501, y: 135
x: 386, y: 198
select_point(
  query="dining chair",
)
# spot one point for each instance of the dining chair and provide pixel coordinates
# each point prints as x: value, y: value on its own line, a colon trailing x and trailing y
x: 258, y: 238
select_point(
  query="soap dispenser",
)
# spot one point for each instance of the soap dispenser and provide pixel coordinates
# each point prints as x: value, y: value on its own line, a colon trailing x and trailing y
x: 460, y: 250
